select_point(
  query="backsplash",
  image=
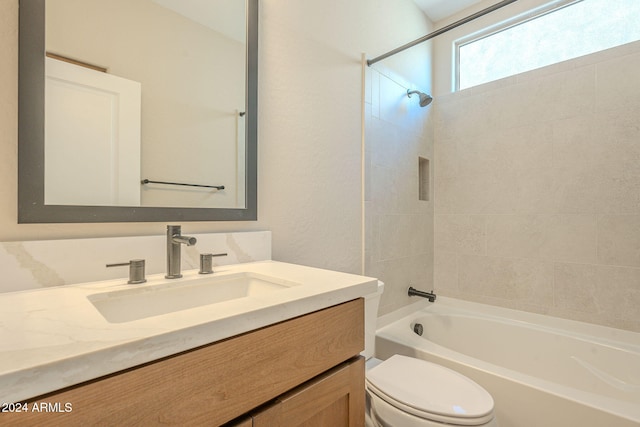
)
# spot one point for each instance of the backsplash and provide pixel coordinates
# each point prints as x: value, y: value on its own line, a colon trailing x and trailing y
x: 45, y: 263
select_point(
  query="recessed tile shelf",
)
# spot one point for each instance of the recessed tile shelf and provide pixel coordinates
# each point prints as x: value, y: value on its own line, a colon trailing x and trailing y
x: 423, y: 179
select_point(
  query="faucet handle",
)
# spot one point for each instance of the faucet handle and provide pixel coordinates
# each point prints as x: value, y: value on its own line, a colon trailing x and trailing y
x: 206, y: 262
x: 136, y: 270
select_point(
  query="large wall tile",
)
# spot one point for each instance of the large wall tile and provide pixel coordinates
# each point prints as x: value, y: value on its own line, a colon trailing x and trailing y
x: 521, y: 148
x: 571, y: 238
x: 575, y: 287
x: 577, y: 153
x: 611, y: 294
x: 445, y: 156
x: 566, y: 94
x: 618, y: 82
x: 398, y: 274
x: 513, y: 279
x: 528, y: 191
x: 551, y: 161
x: 464, y: 234
x: 619, y: 292
x: 385, y: 142
x: 618, y: 131
x: 619, y: 240
x: 597, y: 163
x: 445, y: 272
x: 576, y: 143
x: 398, y: 226
x: 472, y: 194
x: 405, y: 235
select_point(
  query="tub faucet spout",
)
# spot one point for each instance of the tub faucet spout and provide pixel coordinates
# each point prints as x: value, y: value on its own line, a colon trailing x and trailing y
x: 175, y: 240
x: 428, y: 295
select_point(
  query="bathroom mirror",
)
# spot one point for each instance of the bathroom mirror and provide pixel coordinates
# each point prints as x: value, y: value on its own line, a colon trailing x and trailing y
x: 108, y: 132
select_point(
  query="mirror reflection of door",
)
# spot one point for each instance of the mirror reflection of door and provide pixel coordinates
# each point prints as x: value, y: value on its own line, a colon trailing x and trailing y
x: 189, y: 60
x: 97, y: 160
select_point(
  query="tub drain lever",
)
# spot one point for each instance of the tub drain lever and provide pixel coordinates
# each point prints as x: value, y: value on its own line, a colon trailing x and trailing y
x: 417, y: 293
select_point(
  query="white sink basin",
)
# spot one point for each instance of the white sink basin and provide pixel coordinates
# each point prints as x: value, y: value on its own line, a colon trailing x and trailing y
x: 137, y: 303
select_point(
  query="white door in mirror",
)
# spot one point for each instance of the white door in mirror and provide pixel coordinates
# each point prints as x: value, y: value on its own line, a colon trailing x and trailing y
x: 92, y: 137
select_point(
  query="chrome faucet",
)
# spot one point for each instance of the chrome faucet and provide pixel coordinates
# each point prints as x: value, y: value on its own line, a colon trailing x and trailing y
x: 174, y: 241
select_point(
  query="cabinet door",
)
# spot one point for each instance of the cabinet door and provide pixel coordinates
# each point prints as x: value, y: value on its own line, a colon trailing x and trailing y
x: 335, y: 398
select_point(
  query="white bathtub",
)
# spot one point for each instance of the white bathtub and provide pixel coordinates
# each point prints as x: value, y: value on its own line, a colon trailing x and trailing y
x: 541, y: 371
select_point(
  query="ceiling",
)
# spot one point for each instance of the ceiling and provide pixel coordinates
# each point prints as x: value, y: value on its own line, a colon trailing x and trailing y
x: 218, y: 18
x: 224, y: 16
x: 440, y: 9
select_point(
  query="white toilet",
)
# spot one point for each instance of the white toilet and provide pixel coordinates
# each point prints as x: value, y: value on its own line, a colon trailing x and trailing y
x: 408, y: 392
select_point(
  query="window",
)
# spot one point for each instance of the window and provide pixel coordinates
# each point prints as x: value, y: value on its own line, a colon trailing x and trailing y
x: 564, y: 32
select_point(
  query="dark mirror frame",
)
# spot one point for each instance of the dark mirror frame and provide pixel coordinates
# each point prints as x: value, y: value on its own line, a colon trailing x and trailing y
x: 31, y: 86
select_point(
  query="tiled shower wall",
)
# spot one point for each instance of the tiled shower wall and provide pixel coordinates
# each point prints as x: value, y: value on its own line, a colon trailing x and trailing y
x: 537, y: 185
x: 399, y: 226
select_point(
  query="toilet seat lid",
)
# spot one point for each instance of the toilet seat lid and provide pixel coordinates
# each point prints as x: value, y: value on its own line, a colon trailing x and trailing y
x: 429, y: 388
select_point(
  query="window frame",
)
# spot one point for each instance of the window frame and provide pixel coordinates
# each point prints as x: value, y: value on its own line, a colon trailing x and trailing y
x: 490, y: 30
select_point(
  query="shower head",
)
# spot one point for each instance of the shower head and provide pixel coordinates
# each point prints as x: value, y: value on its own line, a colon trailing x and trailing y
x: 424, y: 98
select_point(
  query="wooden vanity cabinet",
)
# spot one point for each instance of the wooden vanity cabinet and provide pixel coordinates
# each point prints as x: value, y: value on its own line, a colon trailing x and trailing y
x: 335, y: 398
x: 304, y: 371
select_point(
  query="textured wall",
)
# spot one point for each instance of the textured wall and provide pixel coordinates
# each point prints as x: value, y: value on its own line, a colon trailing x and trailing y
x: 399, y: 226
x: 311, y: 119
x: 537, y: 184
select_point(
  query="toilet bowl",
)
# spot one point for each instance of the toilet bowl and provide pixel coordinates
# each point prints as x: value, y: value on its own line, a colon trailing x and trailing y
x: 408, y: 392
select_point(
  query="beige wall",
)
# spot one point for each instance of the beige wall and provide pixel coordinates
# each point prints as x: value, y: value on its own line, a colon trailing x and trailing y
x: 537, y: 190
x: 399, y: 226
x: 310, y: 122
x: 310, y: 134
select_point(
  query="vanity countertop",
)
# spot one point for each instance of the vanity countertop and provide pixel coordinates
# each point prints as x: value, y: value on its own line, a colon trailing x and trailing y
x: 53, y: 338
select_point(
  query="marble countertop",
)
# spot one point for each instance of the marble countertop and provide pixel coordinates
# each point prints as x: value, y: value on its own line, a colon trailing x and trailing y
x: 53, y: 338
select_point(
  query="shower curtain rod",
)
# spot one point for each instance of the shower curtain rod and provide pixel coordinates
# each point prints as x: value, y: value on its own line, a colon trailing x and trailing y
x: 441, y: 31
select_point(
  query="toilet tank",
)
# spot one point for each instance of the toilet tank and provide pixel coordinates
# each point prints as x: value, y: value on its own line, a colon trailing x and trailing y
x: 371, y: 303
